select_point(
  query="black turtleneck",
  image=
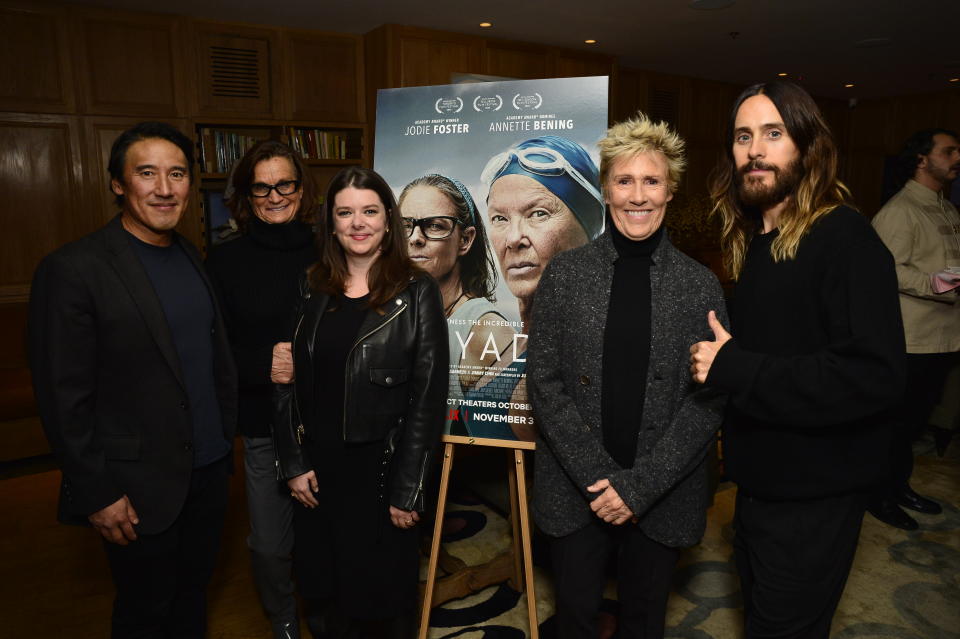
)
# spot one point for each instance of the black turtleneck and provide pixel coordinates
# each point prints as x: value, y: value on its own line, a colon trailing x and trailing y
x: 256, y: 278
x: 626, y: 345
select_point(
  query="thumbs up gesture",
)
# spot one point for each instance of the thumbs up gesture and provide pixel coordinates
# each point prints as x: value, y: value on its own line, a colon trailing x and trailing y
x: 703, y: 353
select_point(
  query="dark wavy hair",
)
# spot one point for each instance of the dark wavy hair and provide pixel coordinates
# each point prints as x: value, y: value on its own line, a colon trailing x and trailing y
x: 477, y: 270
x: 920, y: 143
x: 819, y: 191
x: 242, y: 179
x: 391, y: 272
x: 145, y: 131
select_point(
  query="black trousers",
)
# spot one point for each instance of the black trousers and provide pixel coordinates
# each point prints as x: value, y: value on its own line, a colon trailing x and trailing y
x: 926, y: 375
x: 644, y: 576
x: 346, y: 549
x: 793, y: 558
x: 161, y: 580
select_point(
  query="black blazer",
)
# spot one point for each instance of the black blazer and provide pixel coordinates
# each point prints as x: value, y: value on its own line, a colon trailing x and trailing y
x: 108, y: 383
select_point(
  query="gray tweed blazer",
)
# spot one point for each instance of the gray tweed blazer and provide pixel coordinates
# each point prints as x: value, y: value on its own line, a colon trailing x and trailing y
x: 667, y: 486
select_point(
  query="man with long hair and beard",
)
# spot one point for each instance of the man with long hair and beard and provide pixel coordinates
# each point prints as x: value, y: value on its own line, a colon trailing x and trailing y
x: 815, y: 365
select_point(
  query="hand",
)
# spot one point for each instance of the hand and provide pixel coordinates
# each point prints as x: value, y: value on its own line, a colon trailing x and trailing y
x: 609, y: 506
x: 116, y: 522
x: 944, y: 281
x: 702, y: 354
x: 303, y: 487
x: 281, y: 368
x: 403, y: 518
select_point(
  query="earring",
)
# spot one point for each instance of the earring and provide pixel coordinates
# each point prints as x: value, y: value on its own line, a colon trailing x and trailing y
x: 388, y: 229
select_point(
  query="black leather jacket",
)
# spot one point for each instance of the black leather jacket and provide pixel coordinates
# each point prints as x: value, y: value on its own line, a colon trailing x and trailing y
x: 395, y: 391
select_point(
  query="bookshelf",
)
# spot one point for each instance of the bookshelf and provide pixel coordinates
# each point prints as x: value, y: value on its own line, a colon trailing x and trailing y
x: 325, y: 148
x: 221, y: 145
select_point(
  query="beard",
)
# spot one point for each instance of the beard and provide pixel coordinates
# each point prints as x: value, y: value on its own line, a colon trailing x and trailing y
x: 753, y: 193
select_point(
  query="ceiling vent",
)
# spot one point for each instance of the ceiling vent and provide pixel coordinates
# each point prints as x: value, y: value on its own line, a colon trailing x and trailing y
x: 235, y: 72
x: 234, y: 75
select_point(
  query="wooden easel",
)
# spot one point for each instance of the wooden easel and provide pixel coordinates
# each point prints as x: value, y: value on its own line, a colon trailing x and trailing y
x: 519, y: 516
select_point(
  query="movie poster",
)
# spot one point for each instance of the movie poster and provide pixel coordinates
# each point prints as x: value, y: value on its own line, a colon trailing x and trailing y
x: 493, y: 180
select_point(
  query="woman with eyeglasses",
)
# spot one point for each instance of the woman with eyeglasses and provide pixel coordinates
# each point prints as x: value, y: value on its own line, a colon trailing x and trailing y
x: 360, y: 420
x: 446, y: 239
x: 273, y: 201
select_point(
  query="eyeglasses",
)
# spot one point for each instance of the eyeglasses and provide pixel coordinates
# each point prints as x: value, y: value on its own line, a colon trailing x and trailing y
x: 287, y: 187
x: 435, y: 227
x: 539, y: 160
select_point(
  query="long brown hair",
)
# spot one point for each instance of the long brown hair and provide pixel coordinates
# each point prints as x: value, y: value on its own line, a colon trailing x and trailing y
x: 391, y: 271
x: 242, y: 179
x: 818, y: 192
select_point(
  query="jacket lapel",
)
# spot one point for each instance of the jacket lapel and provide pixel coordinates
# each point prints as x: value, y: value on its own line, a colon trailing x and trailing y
x: 134, y: 277
x: 374, y: 320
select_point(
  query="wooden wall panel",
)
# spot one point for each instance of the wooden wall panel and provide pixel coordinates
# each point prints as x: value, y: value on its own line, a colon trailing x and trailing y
x: 510, y: 61
x: 709, y: 110
x: 910, y: 114
x: 337, y: 93
x: 430, y: 61
x: 131, y: 64
x: 864, y: 177
x: 36, y: 71
x: 571, y: 65
x: 630, y: 94
x: 40, y: 180
x: 99, y: 134
x: 867, y: 126
x: 236, y: 71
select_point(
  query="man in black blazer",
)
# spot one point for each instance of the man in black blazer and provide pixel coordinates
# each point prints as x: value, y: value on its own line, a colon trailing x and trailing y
x: 136, y: 389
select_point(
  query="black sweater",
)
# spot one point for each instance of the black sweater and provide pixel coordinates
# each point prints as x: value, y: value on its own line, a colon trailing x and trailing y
x: 815, y: 366
x: 256, y: 278
x: 626, y: 345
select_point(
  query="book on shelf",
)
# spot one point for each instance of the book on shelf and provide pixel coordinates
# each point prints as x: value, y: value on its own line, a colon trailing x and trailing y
x: 324, y: 144
x: 221, y: 148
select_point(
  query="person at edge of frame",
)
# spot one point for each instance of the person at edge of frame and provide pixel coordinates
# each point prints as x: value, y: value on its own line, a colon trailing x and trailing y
x: 815, y: 365
x: 921, y: 227
x: 136, y: 389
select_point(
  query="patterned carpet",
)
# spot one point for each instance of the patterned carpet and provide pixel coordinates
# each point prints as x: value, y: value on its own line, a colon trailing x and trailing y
x: 903, y: 585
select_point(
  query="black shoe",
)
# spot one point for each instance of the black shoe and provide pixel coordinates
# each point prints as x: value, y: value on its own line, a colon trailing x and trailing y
x: 286, y: 630
x: 891, y: 514
x: 907, y: 498
x: 941, y: 438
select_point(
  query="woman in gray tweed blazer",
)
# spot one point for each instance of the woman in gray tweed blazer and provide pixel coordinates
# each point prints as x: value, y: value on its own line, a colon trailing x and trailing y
x: 623, y: 431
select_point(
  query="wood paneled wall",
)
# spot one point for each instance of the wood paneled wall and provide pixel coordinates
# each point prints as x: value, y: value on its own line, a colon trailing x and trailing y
x: 877, y: 131
x: 72, y: 77
x: 401, y: 56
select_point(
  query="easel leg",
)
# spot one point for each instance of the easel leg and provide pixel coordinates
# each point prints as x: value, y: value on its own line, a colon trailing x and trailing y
x: 517, y: 581
x: 527, y: 549
x: 435, y: 543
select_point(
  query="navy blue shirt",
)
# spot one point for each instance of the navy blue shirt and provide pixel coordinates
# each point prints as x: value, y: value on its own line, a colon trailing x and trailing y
x: 188, y: 308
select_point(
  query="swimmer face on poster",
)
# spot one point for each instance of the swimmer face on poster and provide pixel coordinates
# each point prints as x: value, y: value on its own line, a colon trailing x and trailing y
x: 543, y: 199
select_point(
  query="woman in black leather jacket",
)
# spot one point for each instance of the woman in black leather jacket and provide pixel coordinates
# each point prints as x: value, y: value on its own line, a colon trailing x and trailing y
x: 359, y: 424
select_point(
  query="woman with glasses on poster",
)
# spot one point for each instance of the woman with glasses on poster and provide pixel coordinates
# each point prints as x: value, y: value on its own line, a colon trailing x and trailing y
x: 448, y: 241
x: 273, y: 202
x: 359, y: 423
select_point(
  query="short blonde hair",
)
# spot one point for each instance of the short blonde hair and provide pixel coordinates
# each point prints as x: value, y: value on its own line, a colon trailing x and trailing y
x: 639, y: 135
